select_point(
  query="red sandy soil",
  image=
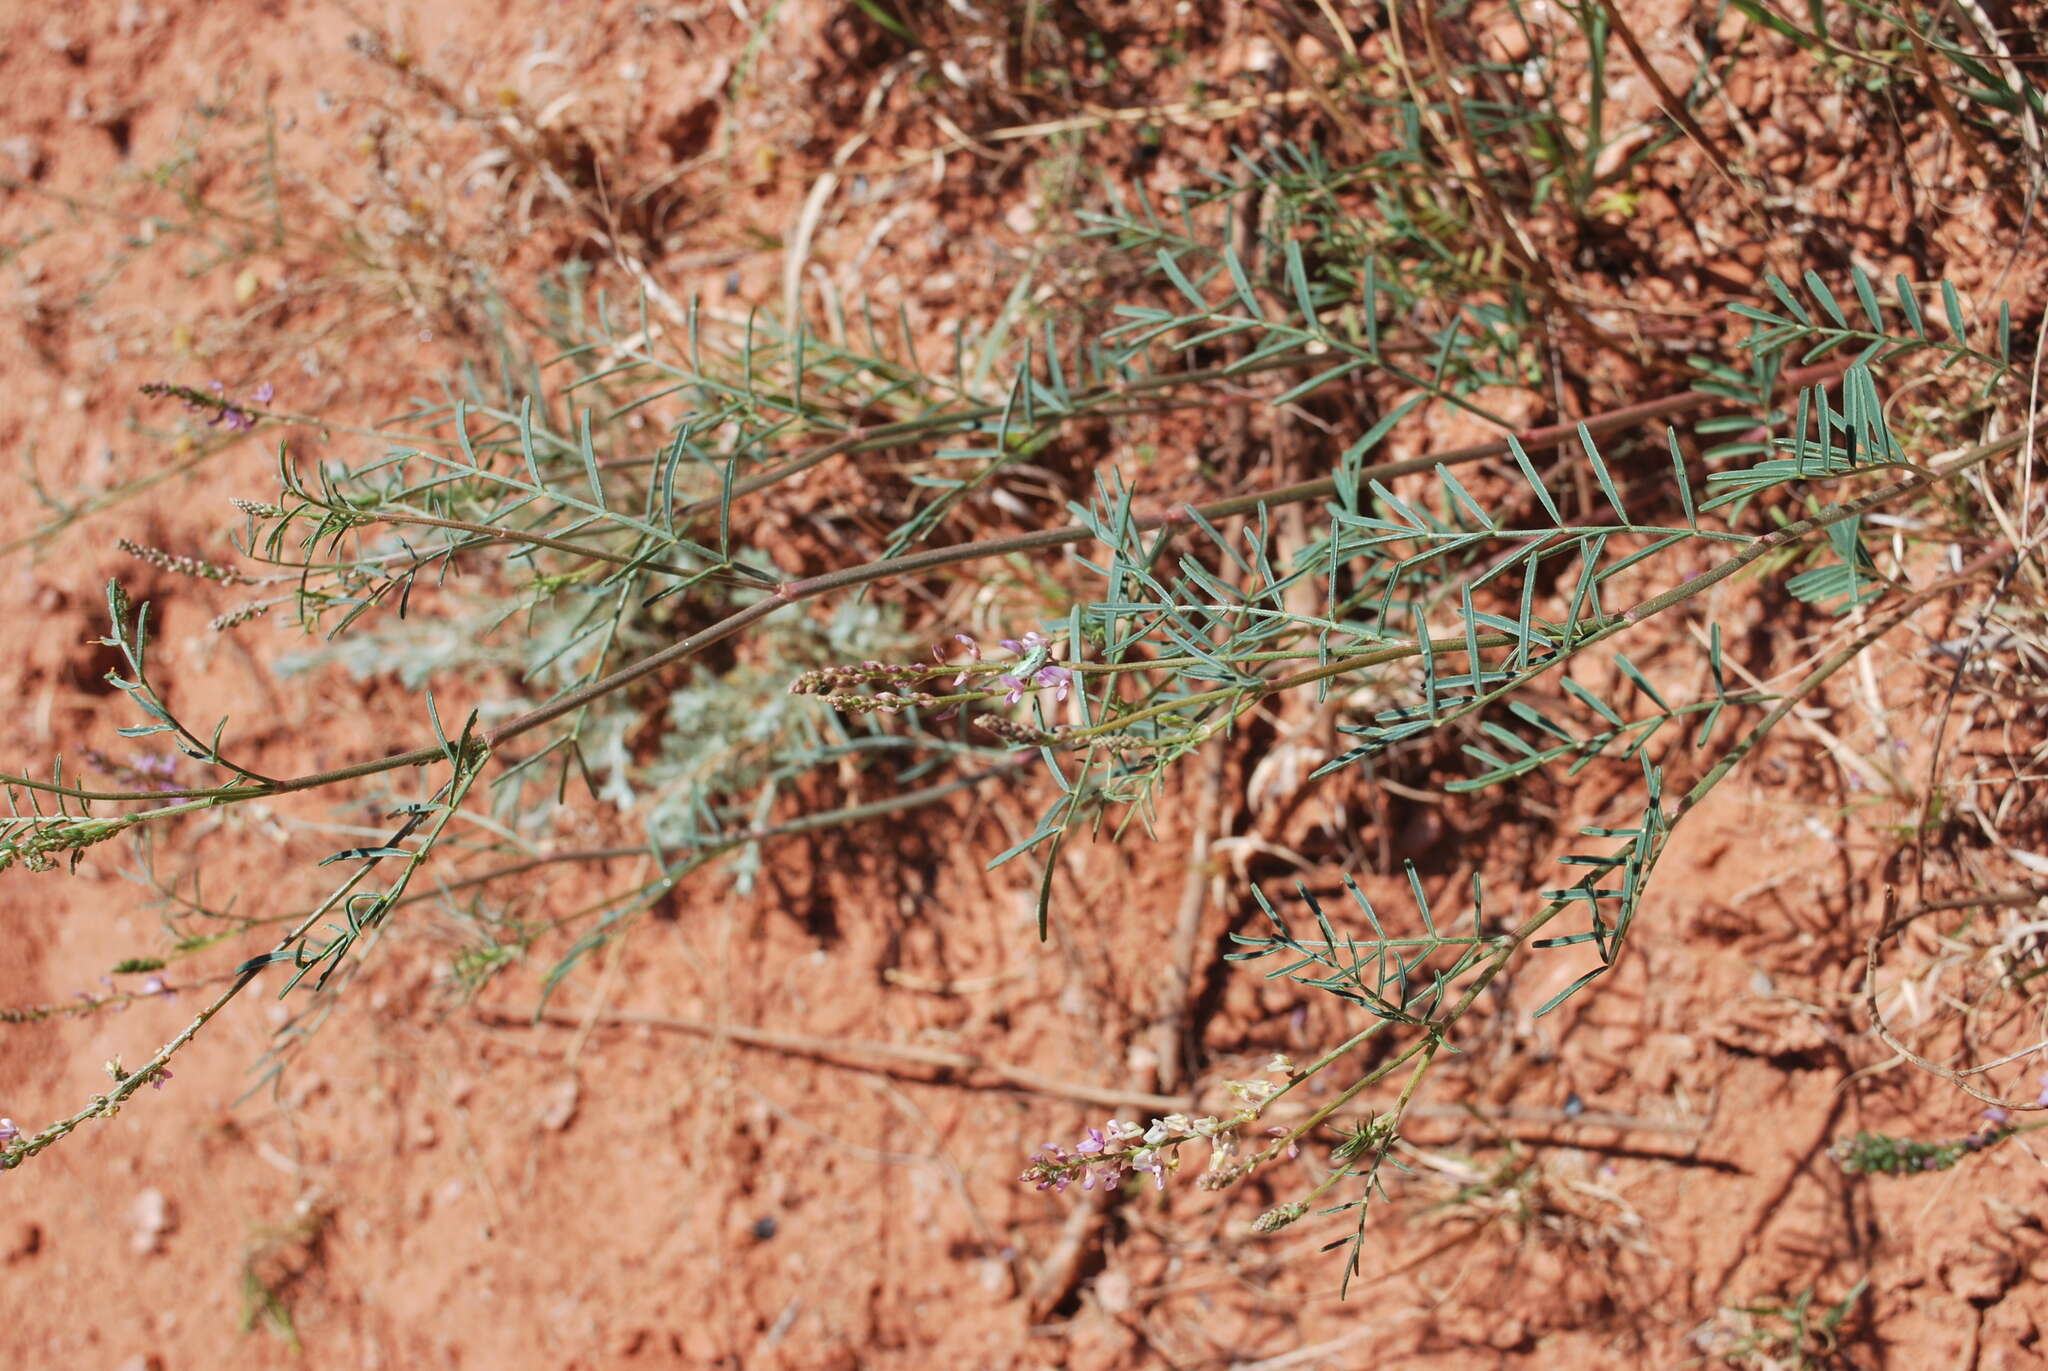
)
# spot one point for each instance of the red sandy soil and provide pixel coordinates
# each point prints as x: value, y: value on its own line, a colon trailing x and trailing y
x: 438, y: 1185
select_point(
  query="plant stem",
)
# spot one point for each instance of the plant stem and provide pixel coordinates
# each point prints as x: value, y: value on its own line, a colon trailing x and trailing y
x: 793, y: 592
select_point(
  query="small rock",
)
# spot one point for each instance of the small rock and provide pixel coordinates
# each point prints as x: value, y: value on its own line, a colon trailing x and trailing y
x: 1507, y: 1335
x: 1759, y: 96
x: 1506, y: 41
x: 562, y: 1102
x: 1619, y: 150
x: 62, y: 41
x: 1246, y: 55
x: 22, y: 1241
x: 25, y: 155
x: 1735, y: 272
x: 152, y: 1217
x: 1979, y: 1273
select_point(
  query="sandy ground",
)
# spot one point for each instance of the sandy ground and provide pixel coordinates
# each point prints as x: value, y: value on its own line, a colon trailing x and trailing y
x: 641, y: 1176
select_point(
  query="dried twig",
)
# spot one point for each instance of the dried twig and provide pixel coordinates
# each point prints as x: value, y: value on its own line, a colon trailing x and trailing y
x: 1892, y: 925
x: 827, y: 1049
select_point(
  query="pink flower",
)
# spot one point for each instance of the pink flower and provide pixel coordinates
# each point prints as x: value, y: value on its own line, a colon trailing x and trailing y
x: 8, y: 1132
x: 1057, y: 679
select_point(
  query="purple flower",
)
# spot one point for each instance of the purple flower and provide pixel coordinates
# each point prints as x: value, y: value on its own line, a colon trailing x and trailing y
x: 1994, y: 1116
x: 162, y: 1075
x: 263, y: 393
x: 8, y: 1132
x: 1046, y: 676
x: 156, y: 985
x: 2042, y: 1099
x: 1104, y: 1155
x: 1057, y: 679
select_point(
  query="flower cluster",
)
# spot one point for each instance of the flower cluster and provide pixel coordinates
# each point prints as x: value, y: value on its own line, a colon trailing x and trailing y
x: 150, y: 770
x: 1278, y: 1217
x: 1105, y: 1154
x: 235, y: 618
x: 1884, y: 1155
x: 181, y: 565
x: 32, y: 844
x: 839, y: 683
x: 156, y: 1079
x: 867, y: 687
x: 226, y: 413
x: 1016, y: 732
x: 1032, y: 671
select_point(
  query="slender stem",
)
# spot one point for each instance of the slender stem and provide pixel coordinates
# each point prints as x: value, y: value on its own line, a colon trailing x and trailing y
x: 792, y: 592
x: 497, y: 534
x: 895, y: 434
x: 724, y: 842
x: 1506, y: 947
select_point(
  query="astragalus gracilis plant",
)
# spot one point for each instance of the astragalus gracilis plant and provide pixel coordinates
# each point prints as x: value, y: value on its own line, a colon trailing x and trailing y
x: 536, y: 518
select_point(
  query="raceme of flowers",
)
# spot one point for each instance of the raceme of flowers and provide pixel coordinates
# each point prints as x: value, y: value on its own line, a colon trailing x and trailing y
x: 1033, y: 672
x: 235, y: 418
x: 906, y: 686
x: 1882, y: 1154
x: 1105, y: 1155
